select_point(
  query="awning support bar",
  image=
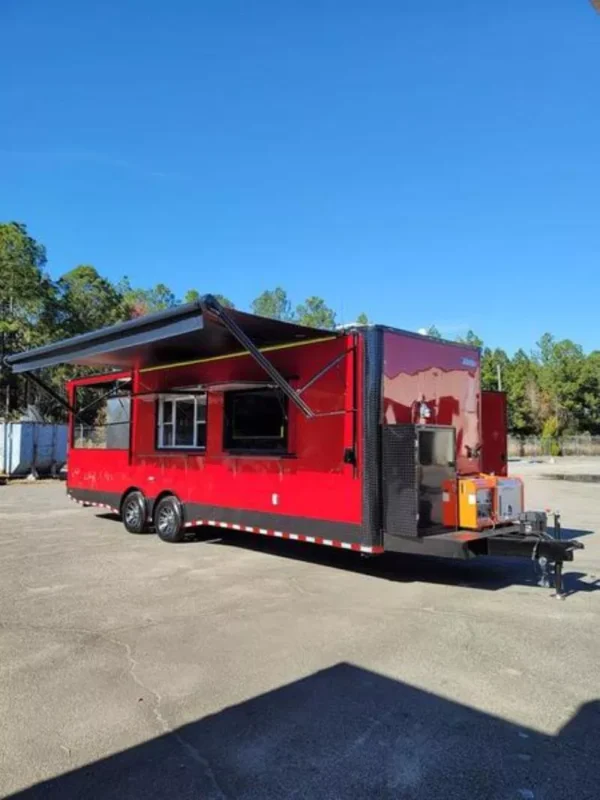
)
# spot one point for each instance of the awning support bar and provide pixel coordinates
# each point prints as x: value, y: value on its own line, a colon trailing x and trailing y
x: 333, y: 363
x: 98, y: 400
x: 211, y: 304
x: 51, y: 392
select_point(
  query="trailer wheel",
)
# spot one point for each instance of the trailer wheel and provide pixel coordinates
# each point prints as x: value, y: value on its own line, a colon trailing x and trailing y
x: 168, y: 519
x: 133, y: 513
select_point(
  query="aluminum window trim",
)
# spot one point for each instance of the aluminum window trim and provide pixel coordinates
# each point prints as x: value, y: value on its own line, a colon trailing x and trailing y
x: 161, y: 424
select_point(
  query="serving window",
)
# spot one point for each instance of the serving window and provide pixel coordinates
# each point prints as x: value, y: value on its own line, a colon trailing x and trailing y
x: 256, y: 421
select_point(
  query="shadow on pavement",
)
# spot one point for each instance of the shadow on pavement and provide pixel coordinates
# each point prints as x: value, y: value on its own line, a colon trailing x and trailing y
x: 346, y: 732
x: 575, y: 582
x: 490, y: 574
x: 571, y: 533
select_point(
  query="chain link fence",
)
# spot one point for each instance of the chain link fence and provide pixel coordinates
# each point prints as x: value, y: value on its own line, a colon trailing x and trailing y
x: 580, y: 445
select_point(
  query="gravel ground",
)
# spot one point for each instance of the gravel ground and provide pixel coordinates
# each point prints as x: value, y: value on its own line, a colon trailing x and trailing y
x: 236, y: 667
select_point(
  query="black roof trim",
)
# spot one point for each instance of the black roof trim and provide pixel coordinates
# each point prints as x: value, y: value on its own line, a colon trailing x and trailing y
x: 421, y: 336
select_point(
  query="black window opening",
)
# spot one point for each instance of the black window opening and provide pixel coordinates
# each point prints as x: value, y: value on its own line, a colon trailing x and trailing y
x: 181, y: 422
x: 437, y: 447
x: 256, y: 420
x: 103, y: 414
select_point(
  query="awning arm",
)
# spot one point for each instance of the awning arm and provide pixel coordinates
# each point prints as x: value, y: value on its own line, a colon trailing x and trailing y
x: 51, y: 392
x: 105, y: 396
x: 333, y: 363
x: 212, y: 305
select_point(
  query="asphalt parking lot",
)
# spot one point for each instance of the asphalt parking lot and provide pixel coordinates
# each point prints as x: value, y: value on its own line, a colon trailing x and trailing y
x: 235, y: 667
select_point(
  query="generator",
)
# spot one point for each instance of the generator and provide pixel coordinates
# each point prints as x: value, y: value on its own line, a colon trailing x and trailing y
x: 482, y: 501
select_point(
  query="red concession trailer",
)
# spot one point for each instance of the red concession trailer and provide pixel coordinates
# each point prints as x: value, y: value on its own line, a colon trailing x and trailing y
x: 368, y: 439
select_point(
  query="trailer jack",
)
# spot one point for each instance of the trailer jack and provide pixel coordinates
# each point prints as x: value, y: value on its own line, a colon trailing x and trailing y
x: 540, y: 546
x: 558, y: 581
x: 545, y: 576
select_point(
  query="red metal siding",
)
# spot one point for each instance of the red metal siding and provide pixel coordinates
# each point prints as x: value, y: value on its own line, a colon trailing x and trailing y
x: 313, y: 482
x: 443, y: 376
x: 494, y: 433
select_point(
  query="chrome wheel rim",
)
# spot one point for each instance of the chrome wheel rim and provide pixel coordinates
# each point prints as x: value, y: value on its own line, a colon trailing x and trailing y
x: 167, y: 521
x: 132, y: 514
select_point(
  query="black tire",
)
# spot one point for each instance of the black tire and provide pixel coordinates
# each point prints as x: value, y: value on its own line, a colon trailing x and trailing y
x: 168, y: 519
x: 133, y: 513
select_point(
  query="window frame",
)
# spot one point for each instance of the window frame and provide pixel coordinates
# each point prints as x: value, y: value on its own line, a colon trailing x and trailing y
x: 236, y: 447
x: 160, y: 424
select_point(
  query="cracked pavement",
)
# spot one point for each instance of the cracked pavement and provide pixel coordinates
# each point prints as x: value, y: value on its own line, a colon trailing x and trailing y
x: 236, y: 667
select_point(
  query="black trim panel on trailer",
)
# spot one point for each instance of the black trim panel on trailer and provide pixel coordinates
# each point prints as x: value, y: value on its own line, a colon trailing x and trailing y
x: 371, y: 437
x: 303, y: 526
x: 106, y: 499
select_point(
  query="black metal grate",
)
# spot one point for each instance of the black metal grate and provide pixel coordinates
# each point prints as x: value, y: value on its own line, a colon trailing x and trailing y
x: 400, y: 480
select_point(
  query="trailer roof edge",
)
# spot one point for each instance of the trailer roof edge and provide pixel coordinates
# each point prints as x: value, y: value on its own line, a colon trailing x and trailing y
x: 191, y: 331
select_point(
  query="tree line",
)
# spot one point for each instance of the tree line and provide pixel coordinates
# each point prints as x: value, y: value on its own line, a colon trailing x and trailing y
x: 552, y: 391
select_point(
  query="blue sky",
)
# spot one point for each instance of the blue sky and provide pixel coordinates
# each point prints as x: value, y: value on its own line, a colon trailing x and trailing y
x: 426, y: 162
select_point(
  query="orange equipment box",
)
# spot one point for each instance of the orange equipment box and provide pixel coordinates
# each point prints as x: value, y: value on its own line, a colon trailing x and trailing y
x: 481, y: 501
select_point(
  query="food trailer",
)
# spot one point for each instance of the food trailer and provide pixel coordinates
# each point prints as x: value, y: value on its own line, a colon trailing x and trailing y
x: 369, y: 438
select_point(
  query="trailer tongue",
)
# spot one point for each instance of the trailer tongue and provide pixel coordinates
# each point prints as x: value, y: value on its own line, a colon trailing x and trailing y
x: 531, y: 539
x: 369, y: 439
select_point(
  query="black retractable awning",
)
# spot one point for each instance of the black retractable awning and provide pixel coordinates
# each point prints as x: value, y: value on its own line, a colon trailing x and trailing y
x: 187, y: 332
x: 197, y: 330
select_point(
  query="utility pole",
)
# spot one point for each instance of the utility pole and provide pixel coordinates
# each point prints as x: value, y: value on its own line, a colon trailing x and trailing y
x: 499, y: 377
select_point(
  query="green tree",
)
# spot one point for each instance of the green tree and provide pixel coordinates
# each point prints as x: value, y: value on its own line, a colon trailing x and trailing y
x: 273, y: 303
x: 433, y: 332
x: 524, y: 402
x: 193, y: 295
x: 23, y: 283
x: 590, y: 393
x: 225, y: 301
x: 26, y: 295
x: 314, y: 313
x: 471, y: 339
x: 159, y: 298
x: 562, y: 377
x: 362, y: 319
x: 90, y: 301
x: 494, y: 362
x: 146, y: 301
